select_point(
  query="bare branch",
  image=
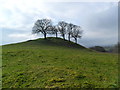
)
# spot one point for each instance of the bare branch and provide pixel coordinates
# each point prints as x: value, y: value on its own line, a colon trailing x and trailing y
x: 42, y: 26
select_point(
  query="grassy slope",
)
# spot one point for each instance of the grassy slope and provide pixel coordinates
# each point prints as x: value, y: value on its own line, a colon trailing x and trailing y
x: 57, y: 63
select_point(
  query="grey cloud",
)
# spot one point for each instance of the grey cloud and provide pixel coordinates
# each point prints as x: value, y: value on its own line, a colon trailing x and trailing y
x: 107, y: 19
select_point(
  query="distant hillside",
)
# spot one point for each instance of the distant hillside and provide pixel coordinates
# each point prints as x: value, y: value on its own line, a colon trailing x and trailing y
x: 98, y: 48
x: 113, y: 48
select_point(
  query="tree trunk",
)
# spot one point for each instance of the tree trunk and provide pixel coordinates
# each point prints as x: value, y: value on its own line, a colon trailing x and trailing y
x: 56, y: 34
x: 44, y: 35
x: 69, y: 36
x: 64, y: 36
x: 75, y: 40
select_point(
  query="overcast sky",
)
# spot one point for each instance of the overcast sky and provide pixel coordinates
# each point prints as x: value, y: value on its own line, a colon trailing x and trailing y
x: 99, y: 20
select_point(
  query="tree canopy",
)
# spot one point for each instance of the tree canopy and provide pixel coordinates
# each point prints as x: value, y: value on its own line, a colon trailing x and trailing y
x: 45, y: 26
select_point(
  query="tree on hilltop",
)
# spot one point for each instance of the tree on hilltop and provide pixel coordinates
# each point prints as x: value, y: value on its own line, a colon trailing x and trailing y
x: 45, y: 27
x: 54, y: 30
x: 42, y: 26
x: 62, y: 28
x: 76, y: 33
x: 70, y: 28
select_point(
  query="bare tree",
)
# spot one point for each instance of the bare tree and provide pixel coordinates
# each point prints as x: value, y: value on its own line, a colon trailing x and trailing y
x: 54, y: 30
x: 42, y: 26
x: 45, y: 27
x: 62, y: 28
x: 70, y: 27
x: 76, y: 33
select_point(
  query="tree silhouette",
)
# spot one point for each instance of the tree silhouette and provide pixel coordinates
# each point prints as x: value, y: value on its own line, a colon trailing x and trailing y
x: 42, y: 26
x: 76, y: 33
x: 70, y: 27
x: 62, y: 28
x: 54, y: 30
x: 45, y: 27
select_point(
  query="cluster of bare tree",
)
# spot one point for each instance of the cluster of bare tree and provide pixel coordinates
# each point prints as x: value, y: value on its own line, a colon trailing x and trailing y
x: 45, y: 27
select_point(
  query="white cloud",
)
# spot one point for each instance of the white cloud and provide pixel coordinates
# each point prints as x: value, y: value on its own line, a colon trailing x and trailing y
x: 19, y: 35
x: 22, y: 36
x: 15, y: 13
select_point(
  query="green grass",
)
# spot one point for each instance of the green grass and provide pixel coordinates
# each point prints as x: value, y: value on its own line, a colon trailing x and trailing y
x: 57, y: 63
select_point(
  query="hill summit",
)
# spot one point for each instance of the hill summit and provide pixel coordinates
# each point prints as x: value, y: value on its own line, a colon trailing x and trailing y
x: 52, y: 41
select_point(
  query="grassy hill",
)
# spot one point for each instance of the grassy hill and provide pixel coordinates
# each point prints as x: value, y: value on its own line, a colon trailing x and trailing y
x: 57, y: 63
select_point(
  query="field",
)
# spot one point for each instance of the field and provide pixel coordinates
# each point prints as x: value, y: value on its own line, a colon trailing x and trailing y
x: 56, y: 63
